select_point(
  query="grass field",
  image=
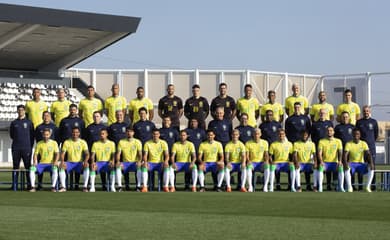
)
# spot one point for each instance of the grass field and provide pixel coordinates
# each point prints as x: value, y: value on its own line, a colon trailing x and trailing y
x: 185, y: 215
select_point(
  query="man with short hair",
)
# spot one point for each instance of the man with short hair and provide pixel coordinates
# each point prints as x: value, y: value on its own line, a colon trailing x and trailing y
x: 143, y: 128
x: 296, y: 124
x: 276, y: 108
x: 171, y: 106
x: 117, y: 130
x: 348, y: 106
x: 47, y: 123
x: 168, y: 133
x: 48, y: 152
x: 60, y: 108
x: 249, y: 105
x: 196, y: 107
x: 92, y: 132
x: 140, y: 102
x: 114, y: 103
x: 225, y: 101
x: 89, y: 105
x: 304, y: 158
x: 21, y: 132
x: 246, y: 131
x: 322, y: 105
x: 296, y: 97
x: 269, y: 128
x: 319, y: 128
x: 196, y: 135
x: 66, y: 125
x: 222, y: 127
x: 343, y: 131
x: 35, y: 107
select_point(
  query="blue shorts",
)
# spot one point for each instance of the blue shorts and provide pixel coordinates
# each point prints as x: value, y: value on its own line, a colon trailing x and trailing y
x: 44, y: 167
x: 236, y: 167
x: 257, y: 166
x: 306, y: 167
x: 74, y: 166
x: 282, y: 167
x: 155, y: 167
x: 330, y: 167
x: 210, y: 167
x: 102, y: 167
x: 182, y: 167
x: 129, y: 167
x: 358, y: 167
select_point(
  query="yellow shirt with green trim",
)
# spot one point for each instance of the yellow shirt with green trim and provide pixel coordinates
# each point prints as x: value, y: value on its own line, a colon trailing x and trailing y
x: 352, y: 108
x: 276, y: 108
x: 103, y: 150
x: 356, y: 151
x: 210, y: 151
x: 281, y: 151
x: 235, y: 151
x: 305, y: 151
x: 136, y: 104
x: 315, y: 110
x: 75, y: 149
x: 183, y: 151
x: 88, y: 106
x: 329, y: 148
x: 130, y: 149
x: 289, y: 103
x: 249, y: 106
x: 34, y: 111
x: 60, y: 110
x: 156, y: 150
x: 256, y: 150
x: 113, y: 104
x: 46, y: 150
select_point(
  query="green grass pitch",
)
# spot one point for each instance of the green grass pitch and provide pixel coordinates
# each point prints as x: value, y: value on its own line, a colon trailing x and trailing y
x: 186, y: 215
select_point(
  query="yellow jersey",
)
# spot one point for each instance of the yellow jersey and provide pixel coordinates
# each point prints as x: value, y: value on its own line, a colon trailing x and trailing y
x: 47, y: 151
x: 136, y: 104
x: 75, y: 149
x: 235, y: 151
x: 329, y: 149
x: 356, y: 151
x: 130, y: 149
x: 88, y: 106
x: 256, y: 150
x: 305, y: 151
x: 60, y: 110
x: 249, y: 106
x: 281, y: 151
x: 289, y: 103
x: 156, y: 150
x: 113, y: 104
x: 183, y: 151
x: 210, y: 151
x: 34, y: 111
x: 103, y: 150
x: 352, y: 108
x: 276, y: 108
x: 315, y: 110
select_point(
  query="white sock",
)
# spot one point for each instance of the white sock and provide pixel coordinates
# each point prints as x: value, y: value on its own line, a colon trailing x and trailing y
x: 201, y: 178
x: 112, y: 179
x: 292, y: 177
x: 298, y: 177
x: 271, y: 180
x: 249, y: 177
x: 194, y: 176
x: 220, y: 177
x: 119, y: 176
x: 54, y: 176
x: 93, y: 177
x: 348, y: 181
x: 266, y: 178
x: 139, y: 177
x: 172, y: 176
x: 315, y: 178
x: 341, y: 179
x: 32, y: 176
x: 227, y: 177
x: 370, y: 176
x: 243, y: 177
x: 62, y: 178
x: 166, y: 177
x: 86, y: 177
x: 320, y: 180
x: 145, y: 177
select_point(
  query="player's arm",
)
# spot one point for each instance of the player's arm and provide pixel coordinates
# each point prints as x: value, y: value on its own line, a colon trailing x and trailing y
x: 159, y: 111
x: 187, y: 110
x: 266, y: 157
x: 166, y: 157
x: 131, y: 115
x: 86, y: 157
x: 213, y: 107
x: 56, y: 158
x: 206, y: 108
x: 227, y: 157
x: 257, y: 113
x: 151, y: 110
x: 319, y: 155
x: 342, y: 157
x: 368, y: 156
x: 35, y: 158
x: 93, y: 156
x: 234, y: 110
x: 62, y: 157
x: 118, y: 155
x: 243, y: 160
x: 112, y: 159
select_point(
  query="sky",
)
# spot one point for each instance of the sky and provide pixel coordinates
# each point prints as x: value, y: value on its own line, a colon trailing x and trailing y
x: 301, y: 36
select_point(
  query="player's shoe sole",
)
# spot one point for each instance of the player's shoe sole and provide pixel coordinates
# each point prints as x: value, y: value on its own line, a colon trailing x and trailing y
x: 92, y: 190
x: 62, y: 190
x: 32, y: 190
x: 350, y: 189
x: 368, y: 189
x: 112, y: 189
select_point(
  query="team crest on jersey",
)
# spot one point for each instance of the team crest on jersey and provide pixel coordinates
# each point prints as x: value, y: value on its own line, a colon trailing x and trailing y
x: 107, y: 149
x: 224, y: 127
x: 170, y: 134
x: 133, y: 147
x: 227, y: 104
x: 123, y: 129
x: 274, y: 129
x: 302, y: 122
x: 198, y: 136
x: 248, y: 133
x: 200, y: 104
x: 76, y: 124
x: 25, y: 125
x: 49, y: 148
x: 175, y: 103
x: 214, y: 150
x: 148, y: 128
x: 370, y: 126
x: 78, y: 148
x: 349, y: 130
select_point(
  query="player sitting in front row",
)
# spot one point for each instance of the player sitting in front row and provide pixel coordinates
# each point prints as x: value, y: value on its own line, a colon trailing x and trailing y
x: 356, y: 153
x: 235, y: 158
x: 74, y: 149
x: 102, y: 160
x: 47, y: 150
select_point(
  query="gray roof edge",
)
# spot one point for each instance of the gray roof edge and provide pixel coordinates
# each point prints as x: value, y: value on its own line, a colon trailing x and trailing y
x: 56, y: 17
